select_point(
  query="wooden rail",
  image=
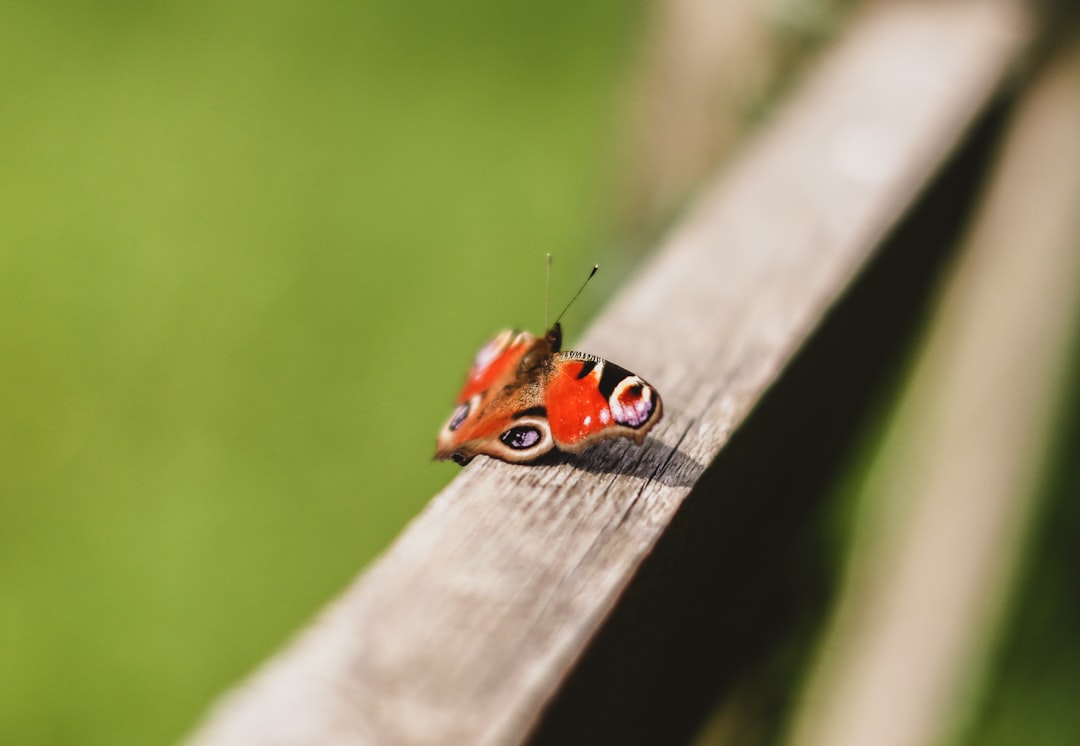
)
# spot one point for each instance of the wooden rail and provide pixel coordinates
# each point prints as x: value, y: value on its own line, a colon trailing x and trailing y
x: 608, y: 595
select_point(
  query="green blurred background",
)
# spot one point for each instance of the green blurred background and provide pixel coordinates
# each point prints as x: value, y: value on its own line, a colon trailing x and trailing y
x: 247, y: 251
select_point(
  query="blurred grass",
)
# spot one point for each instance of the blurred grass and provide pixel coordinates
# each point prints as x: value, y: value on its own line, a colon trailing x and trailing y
x: 246, y: 252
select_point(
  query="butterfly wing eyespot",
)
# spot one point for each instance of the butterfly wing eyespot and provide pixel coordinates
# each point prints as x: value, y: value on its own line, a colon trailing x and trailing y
x: 590, y: 400
x: 526, y: 439
x: 521, y: 437
x: 496, y: 396
x: 458, y: 417
x: 633, y: 402
x: 515, y: 440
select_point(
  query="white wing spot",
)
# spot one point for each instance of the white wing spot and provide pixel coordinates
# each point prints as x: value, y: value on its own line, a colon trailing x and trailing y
x: 494, y: 347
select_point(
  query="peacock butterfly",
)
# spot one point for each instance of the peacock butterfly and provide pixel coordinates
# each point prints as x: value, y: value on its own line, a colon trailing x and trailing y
x: 524, y: 397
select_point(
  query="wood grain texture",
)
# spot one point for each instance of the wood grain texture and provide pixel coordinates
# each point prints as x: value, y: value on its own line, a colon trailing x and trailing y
x: 465, y: 627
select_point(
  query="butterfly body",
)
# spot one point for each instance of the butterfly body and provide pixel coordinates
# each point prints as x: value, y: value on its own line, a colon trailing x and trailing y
x: 523, y: 397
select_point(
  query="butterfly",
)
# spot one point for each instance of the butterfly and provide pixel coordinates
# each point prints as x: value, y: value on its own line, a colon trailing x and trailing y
x: 524, y: 397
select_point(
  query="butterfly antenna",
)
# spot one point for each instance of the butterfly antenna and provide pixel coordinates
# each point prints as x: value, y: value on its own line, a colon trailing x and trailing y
x: 595, y: 267
x: 547, y: 290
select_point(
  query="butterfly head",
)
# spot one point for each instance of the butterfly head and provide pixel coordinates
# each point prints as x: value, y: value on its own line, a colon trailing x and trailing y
x: 540, y: 352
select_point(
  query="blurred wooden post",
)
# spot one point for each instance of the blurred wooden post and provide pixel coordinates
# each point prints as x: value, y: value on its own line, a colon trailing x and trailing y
x: 707, y: 71
x: 704, y: 61
x: 958, y: 475
x: 469, y: 626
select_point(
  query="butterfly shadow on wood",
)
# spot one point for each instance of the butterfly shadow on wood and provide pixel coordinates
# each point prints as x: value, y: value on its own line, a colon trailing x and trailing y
x: 654, y: 461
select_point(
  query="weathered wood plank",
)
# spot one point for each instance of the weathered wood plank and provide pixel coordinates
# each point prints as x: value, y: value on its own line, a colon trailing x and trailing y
x: 466, y: 626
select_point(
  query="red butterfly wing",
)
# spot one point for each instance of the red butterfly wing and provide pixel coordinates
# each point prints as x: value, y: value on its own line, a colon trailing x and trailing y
x: 589, y: 399
x: 499, y: 409
x: 495, y: 363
